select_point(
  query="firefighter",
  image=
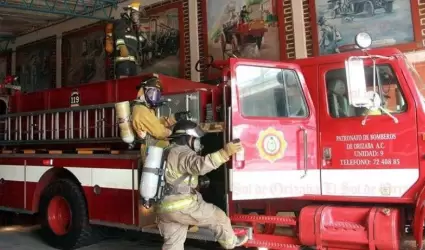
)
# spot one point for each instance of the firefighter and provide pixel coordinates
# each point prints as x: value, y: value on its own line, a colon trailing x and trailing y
x: 153, y: 130
x: 329, y: 37
x: 182, y: 205
x: 127, y: 41
x: 244, y: 15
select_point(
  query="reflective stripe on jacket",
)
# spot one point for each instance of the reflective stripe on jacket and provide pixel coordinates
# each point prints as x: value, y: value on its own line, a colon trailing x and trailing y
x: 182, y: 160
x: 176, y: 205
x: 127, y: 58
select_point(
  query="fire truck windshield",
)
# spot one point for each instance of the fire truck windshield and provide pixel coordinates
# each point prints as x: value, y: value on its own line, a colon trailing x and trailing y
x: 387, y: 86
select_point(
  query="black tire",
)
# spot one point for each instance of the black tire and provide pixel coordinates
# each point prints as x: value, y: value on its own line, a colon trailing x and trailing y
x: 79, y: 232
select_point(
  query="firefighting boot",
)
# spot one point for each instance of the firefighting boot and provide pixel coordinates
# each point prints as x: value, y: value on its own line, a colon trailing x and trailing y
x: 241, y: 240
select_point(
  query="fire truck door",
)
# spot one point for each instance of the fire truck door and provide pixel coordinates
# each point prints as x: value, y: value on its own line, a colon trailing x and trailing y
x: 378, y: 158
x: 273, y: 116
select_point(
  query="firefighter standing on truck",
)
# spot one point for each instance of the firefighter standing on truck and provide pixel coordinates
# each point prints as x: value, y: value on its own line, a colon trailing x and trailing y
x: 182, y: 205
x: 152, y: 130
x: 124, y: 40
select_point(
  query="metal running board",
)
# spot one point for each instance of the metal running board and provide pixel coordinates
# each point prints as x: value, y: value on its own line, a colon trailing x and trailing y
x: 274, y: 242
x: 279, y: 220
x: 203, y: 234
x: 269, y: 240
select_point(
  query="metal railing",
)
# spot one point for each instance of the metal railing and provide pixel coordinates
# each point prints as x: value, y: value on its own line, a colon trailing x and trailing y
x: 84, y: 124
x: 94, y: 124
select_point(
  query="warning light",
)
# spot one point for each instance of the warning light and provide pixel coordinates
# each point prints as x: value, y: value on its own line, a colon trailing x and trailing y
x: 48, y: 162
x: 363, y: 40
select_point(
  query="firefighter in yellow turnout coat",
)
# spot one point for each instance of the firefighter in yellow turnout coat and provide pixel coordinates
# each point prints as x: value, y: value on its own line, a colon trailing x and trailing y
x: 182, y: 205
x: 148, y: 127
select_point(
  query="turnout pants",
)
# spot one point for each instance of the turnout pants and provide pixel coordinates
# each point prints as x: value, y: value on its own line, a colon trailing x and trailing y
x: 173, y: 226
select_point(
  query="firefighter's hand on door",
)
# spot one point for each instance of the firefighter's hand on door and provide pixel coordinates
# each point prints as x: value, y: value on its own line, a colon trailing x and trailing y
x: 233, y: 147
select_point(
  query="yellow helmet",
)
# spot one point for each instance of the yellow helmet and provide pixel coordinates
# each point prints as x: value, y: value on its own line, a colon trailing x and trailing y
x: 135, y: 6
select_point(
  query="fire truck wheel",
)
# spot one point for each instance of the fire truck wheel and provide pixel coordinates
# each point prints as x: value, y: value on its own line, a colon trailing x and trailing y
x: 64, y: 217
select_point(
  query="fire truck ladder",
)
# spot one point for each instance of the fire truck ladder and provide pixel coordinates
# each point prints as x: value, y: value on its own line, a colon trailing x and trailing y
x: 93, y: 124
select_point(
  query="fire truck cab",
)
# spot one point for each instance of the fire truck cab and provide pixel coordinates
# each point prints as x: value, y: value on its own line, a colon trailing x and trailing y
x: 336, y: 141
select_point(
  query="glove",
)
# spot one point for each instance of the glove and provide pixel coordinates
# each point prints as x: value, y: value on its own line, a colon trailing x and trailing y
x: 123, y: 51
x: 185, y: 115
x: 223, y: 155
x: 232, y: 148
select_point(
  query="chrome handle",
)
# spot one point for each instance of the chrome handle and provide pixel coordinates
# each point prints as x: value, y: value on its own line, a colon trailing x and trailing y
x: 304, y: 130
x: 188, y: 98
x: 225, y: 118
x: 229, y: 124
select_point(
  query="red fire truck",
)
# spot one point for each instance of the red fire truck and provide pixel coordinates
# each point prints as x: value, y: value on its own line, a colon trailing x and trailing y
x: 333, y: 152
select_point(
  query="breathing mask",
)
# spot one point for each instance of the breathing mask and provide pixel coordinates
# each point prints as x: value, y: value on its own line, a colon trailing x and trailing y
x: 135, y: 17
x: 196, y: 145
x: 152, y: 96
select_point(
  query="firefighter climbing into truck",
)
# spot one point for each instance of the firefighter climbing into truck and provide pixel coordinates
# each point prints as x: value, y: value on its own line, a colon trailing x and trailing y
x: 179, y: 204
x: 124, y: 40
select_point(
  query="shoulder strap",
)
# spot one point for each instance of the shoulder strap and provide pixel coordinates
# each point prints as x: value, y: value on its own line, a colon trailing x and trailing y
x: 135, y: 102
x: 179, y: 180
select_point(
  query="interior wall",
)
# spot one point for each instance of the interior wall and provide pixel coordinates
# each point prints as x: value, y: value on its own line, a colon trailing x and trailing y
x: 71, y: 24
x: 298, y: 31
x: 190, y: 33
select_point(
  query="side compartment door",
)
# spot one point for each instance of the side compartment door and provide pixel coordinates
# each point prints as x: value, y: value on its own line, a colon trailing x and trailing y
x: 273, y: 116
x: 378, y: 158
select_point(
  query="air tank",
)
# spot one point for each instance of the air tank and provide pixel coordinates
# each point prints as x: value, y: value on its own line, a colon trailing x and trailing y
x: 124, y: 122
x: 150, y: 174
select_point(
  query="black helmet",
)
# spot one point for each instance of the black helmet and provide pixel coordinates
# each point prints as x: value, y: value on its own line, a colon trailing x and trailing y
x: 187, y: 128
x: 151, y: 82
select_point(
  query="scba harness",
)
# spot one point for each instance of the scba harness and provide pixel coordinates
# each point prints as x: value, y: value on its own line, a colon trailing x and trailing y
x: 163, y: 188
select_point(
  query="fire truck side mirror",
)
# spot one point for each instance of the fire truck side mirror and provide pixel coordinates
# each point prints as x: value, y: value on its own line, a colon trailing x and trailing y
x: 356, y: 82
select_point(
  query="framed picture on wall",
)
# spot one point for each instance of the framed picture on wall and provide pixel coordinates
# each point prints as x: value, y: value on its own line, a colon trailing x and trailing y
x: 163, y: 40
x: 245, y: 28
x: 389, y: 22
x: 36, y: 65
x: 4, y: 65
x: 84, y: 55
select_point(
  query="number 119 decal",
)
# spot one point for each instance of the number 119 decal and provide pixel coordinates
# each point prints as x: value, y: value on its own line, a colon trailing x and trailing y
x: 74, y: 99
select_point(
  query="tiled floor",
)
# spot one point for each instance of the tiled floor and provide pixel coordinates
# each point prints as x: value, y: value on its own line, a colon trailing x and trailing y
x: 20, y: 237
x: 26, y: 238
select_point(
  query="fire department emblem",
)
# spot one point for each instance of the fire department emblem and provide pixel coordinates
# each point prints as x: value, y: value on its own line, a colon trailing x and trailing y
x: 271, y: 144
